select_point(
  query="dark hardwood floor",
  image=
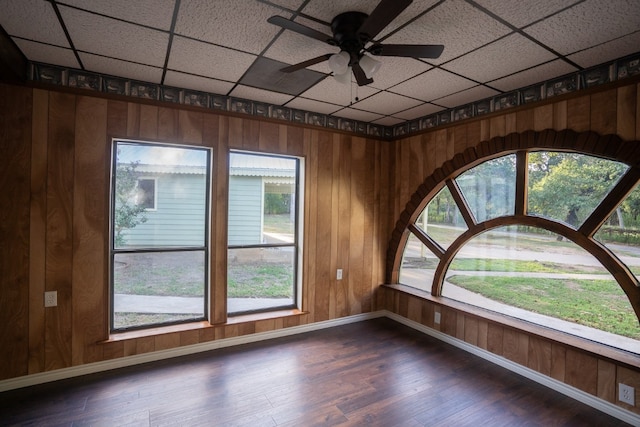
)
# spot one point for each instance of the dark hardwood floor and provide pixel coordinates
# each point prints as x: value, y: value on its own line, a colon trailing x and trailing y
x: 374, y: 373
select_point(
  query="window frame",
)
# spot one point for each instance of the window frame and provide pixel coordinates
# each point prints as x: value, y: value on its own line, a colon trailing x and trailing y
x: 297, y: 244
x: 205, y: 248
x: 583, y: 236
x: 155, y: 191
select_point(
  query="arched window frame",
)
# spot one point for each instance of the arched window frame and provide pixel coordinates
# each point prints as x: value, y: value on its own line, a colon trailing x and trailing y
x: 589, y: 143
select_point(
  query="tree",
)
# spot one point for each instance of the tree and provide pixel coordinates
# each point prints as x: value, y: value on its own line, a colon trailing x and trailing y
x: 127, y: 213
x: 568, y: 187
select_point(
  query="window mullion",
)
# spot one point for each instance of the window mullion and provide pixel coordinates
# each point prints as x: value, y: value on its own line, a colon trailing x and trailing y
x: 465, y: 211
x: 610, y: 202
x: 522, y: 182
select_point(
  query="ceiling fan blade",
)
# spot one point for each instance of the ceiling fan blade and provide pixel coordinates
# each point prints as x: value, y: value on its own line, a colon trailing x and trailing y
x: 361, y: 77
x: 305, y: 64
x: 407, y: 50
x: 382, y: 15
x: 300, y: 29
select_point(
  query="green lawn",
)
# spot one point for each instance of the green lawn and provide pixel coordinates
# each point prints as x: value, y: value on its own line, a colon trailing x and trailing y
x: 596, y: 303
x: 260, y: 281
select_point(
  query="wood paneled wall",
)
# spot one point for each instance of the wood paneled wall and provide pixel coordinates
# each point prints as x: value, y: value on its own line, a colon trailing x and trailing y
x: 585, y: 370
x: 54, y: 185
x: 614, y: 110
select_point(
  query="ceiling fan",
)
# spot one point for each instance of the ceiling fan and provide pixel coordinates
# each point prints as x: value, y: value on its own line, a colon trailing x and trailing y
x: 352, y: 32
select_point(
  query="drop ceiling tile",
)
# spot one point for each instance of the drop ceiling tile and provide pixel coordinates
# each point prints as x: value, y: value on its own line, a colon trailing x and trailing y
x: 47, y: 54
x: 111, y: 37
x: 455, y: 24
x: 292, y: 48
x: 489, y: 62
x: 433, y: 84
x: 115, y: 67
x: 329, y: 90
x: 520, y: 14
x: 614, y: 49
x: 388, y: 121
x: 326, y: 11
x: 260, y: 95
x: 467, y: 96
x: 419, y: 111
x: 315, y: 106
x: 396, y: 69
x: 238, y: 24
x: 354, y: 114
x: 33, y: 20
x: 266, y: 74
x: 153, y: 13
x: 534, y: 75
x: 208, y: 60
x: 289, y: 4
x: 386, y: 103
x: 587, y: 24
x: 188, y: 81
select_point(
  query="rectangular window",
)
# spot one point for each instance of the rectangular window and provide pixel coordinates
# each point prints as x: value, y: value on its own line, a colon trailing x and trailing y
x: 159, y: 234
x: 264, y: 232
x: 146, y: 193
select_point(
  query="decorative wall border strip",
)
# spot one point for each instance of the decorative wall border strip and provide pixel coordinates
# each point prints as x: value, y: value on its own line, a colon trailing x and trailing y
x: 594, y: 76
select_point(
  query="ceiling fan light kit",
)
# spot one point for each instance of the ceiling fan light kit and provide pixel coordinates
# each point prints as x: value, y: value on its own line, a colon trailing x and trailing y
x: 353, y: 32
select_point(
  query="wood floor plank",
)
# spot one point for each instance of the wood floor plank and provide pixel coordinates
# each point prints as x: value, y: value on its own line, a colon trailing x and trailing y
x: 374, y: 373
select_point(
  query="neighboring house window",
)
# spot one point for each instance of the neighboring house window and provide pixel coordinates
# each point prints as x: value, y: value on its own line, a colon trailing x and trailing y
x: 264, y: 232
x: 535, y: 235
x: 146, y: 193
x: 159, y: 239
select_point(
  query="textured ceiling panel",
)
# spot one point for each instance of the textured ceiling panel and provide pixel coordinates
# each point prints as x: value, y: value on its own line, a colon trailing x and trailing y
x: 292, y: 48
x: 522, y: 13
x: 289, y: 4
x: 266, y: 74
x: 188, y: 81
x: 329, y: 90
x: 488, y: 61
x: 363, y: 116
x: 208, y: 60
x: 455, y: 24
x: 152, y: 13
x: 311, y: 105
x: 419, y: 111
x: 531, y: 76
x: 466, y: 96
x: 588, y: 24
x: 375, y: 102
x: 116, y: 39
x: 388, y: 121
x: 100, y: 64
x: 396, y: 70
x: 432, y: 85
x: 238, y: 24
x: 216, y: 46
x: 614, y: 49
x: 48, y: 54
x: 247, y: 92
x: 32, y: 19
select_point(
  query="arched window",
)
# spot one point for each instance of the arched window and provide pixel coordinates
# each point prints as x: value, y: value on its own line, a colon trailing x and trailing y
x: 549, y: 236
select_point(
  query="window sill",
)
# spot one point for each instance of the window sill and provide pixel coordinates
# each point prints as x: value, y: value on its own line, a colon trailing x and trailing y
x: 150, y: 332
x: 602, y: 350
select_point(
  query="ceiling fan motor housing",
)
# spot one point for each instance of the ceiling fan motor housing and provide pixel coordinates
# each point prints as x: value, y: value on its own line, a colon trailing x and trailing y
x: 345, y: 34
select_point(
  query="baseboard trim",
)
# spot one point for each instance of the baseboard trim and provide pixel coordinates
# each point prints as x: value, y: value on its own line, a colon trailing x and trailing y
x: 92, y: 368
x: 574, y: 393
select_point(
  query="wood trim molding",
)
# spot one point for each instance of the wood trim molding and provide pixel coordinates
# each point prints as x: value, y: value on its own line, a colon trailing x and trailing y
x: 588, y: 142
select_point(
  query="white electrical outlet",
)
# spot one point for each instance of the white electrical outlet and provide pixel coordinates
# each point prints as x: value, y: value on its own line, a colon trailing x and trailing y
x: 51, y: 299
x: 436, y: 317
x: 339, y: 274
x: 626, y: 394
